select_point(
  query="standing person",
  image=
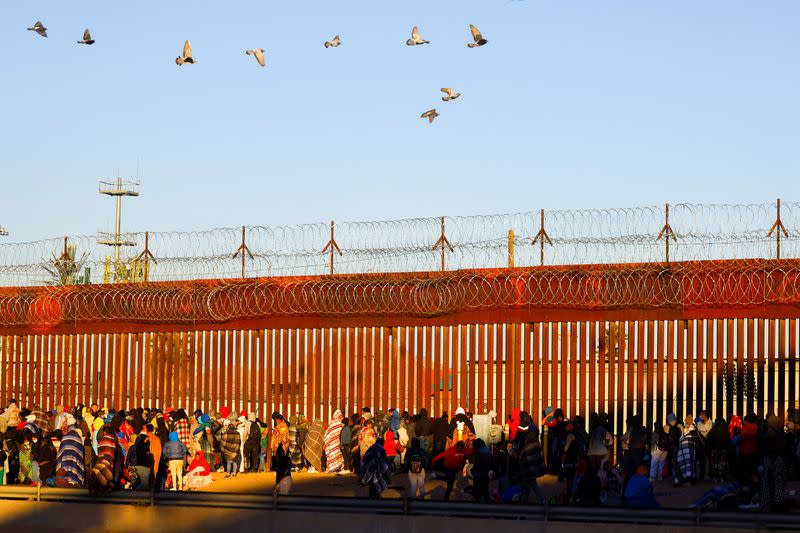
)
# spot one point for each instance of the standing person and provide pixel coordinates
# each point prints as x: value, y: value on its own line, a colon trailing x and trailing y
x: 175, y: 451
x: 482, y: 467
x: 422, y: 430
x: 156, y: 450
x: 410, y: 426
x: 748, y: 460
x: 355, y: 440
x: 281, y: 462
x: 162, y: 431
x: 772, y: 472
x: 252, y: 445
x: 441, y: 432
x: 525, y: 425
x: 675, y: 431
x: 453, y: 460
x: 366, y: 438
x: 314, y: 446
x: 600, y: 441
x: 333, y: 443
x: 704, y: 425
x: 635, y: 441
x: 390, y: 447
x: 295, y: 453
x: 345, y: 440
x: 659, y: 451
x: 243, y: 427
x: 686, y: 461
x: 416, y: 463
x: 205, y: 441
x: 558, y: 432
x: 720, y: 450
x: 531, y: 467
x: 402, y: 438
x: 230, y: 444
x: 575, y: 445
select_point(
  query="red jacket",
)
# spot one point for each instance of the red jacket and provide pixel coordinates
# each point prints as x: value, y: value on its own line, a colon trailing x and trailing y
x: 514, y: 424
x: 749, y: 443
x: 389, y: 444
x: 453, y: 458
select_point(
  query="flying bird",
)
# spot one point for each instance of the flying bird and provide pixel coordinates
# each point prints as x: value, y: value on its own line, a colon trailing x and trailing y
x: 430, y: 115
x: 451, y: 94
x: 87, y: 37
x: 39, y: 28
x: 476, y: 37
x: 259, y: 53
x: 186, y: 57
x: 333, y: 43
x: 415, y: 38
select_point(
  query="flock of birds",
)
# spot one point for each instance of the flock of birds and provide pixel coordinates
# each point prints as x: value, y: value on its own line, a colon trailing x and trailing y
x: 258, y: 53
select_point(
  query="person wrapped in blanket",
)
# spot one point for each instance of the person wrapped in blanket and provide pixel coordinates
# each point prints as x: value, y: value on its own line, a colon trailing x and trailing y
x: 685, y: 469
x: 204, y: 437
x: 199, y: 474
x: 375, y: 473
x: 279, y: 446
x: 108, y: 471
x: 70, y: 461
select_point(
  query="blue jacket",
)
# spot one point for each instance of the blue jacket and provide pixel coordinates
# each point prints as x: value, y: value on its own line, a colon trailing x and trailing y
x: 175, y: 449
x: 639, y: 493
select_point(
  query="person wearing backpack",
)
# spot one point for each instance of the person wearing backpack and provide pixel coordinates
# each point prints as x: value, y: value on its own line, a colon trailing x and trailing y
x: 416, y: 463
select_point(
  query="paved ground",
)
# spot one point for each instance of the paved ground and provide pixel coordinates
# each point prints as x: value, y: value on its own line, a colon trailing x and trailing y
x: 16, y: 516
x: 319, y: 484
x: 69, y: 518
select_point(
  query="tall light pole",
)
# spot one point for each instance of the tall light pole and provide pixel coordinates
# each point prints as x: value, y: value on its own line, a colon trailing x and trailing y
x: 117, y: 188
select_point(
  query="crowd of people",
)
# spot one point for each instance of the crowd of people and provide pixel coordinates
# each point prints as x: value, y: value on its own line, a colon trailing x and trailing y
x: 748, y: 461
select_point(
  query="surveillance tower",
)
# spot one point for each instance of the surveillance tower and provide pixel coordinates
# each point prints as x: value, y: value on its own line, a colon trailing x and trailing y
x: 117, y: 188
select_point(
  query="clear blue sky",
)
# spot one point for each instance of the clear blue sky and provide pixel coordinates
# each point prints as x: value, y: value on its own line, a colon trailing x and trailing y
x: 572, y: 104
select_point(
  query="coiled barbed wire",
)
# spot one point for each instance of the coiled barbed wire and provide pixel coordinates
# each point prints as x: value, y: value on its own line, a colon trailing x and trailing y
x: 683, y: 286
x: 579, y: 236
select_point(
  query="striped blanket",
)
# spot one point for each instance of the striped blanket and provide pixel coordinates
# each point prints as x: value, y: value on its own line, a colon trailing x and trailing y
x: 312, y: 447
x: 685, y: 460
x: 70, y: 459
x: 333, y: 447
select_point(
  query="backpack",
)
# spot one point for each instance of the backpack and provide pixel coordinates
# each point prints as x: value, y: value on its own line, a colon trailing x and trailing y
x: 416, y: 464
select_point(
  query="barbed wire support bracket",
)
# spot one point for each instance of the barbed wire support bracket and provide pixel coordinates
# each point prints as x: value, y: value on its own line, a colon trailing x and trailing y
x: 244, y: 250
x: 541, y: 237
x: 778, y: 228
x: 332, y: 246
x: 667, y: 232
x: 510, y: 248
x: 443, y: 243
x: 146, y: 255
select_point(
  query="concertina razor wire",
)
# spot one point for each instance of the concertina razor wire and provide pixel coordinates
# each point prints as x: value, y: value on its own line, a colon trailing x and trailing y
x: 579, y: 237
